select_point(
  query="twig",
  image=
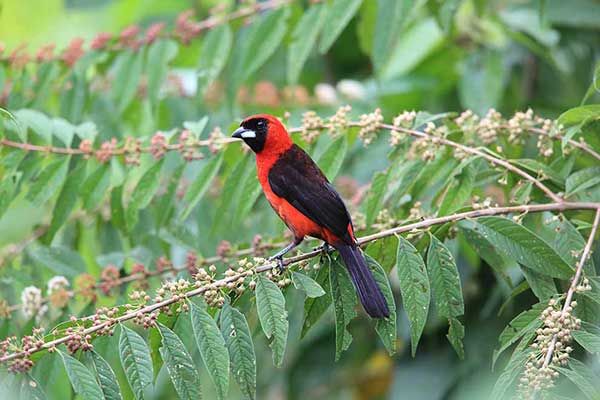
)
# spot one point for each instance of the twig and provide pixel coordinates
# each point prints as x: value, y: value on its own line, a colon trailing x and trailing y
x: 584, y: 256
x: 580, y: 145
x: 164, y: 271
x: 493, y: 160
x: 559, y: 206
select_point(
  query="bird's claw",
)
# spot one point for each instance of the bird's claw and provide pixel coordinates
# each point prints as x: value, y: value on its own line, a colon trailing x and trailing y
x: 279, y: 262
x: 325, y: 248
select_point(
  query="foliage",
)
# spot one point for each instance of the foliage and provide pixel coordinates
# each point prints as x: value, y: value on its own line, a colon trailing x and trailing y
x: 134, y: 234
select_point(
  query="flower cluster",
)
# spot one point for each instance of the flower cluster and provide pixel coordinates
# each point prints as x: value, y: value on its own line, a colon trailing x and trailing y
x: 109, y: 279
x: 31, y: 301
x: 58, y: 293
x: 339, y: 121
x: 370, y: 124
x: 25, y: 345
x: 311, y: 125
x: 404, y: 120
x: 551, y: 347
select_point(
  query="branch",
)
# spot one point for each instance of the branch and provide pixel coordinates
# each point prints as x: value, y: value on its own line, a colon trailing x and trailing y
x: 184, y: 30
x: 474, y: 151
x: 136, y: 276
x: 216, y: 285
x: 572, y: 289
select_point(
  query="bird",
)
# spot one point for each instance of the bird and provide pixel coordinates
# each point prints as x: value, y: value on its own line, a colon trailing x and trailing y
x: 307, y: 202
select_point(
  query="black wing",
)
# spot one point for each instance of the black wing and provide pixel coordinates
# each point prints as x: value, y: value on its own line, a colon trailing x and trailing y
x: 296, y: 178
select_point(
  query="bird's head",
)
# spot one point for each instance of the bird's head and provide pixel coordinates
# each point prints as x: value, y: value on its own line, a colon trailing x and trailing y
x: 263, y: 133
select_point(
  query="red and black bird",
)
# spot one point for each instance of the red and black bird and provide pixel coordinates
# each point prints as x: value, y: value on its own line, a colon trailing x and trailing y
x: 308, y: 204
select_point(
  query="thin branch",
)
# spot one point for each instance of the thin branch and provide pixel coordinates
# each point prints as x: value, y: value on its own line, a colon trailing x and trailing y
x: 581, y: 145
x: 584, y: 256
x: 211, y: 142
x: 558, y: 206
x: 471, y: 150
x: 164, y: 271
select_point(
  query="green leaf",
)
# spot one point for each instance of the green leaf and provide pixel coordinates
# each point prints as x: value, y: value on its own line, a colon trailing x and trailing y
x: 308, y: 285
x: 201, y: 185
x: 95, y: 187
x: 314, y: 308
x: 414, y: 287
x: 582, y: 180
x: 483, y: 81
x: 542, y: 286
x: 339, y: 14
x: 30, y: 389
x: 497, y: 261
x: 154, y: 343
x: 375, y: 196
x: 46, y: 76
x: 66, y: 200
x: 180, y: 365
x: 456, y: 334
x: 582, y: 376
x: 333, y: 156
x: 127, y: 73
x: 270, y: 304
x: 238, y: 339
x: 81, y: 378
x: 304, y: 38
x: 136, y: 361
x: 344, y: 299
x: 580, y: 115
x: 9, y: 186
x: 106, y: 376
x: 588, y: 340
x: 212, y: 348
x: 413, y: 46
x: 232, y: 191
x: 510, y: 373
x: 458, y: 191
x: 61, y: 260
x: 250, y: 191
x: 17, y: 126
x: 521, y: 244
x: 48, y: 182
x: 63, y: 130
x: 160, y: 53
x: 196, y: 127
x: 569, y: 242
x: 526, y: 322
x: 143, y: 193
x: 214, y: 55
x: 445, y: 12
x: 540, y: 169
x: 594, y: 86
x: 385, y: 327
x: 260, y: 41
x: 385, y: 251
x: 37, y: 122
x: 391, y: 17
x: 73, y: 98
x: 445, y: 281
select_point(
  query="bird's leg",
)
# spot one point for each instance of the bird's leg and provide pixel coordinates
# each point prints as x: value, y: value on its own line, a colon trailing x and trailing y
x: 325, y: 248
x: 279, y: 255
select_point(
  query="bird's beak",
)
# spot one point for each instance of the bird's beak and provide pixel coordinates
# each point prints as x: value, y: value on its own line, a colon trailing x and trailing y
x: 243, y: 133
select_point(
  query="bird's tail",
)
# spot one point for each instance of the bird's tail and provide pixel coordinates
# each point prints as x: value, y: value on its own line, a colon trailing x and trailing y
x: 370, y: 295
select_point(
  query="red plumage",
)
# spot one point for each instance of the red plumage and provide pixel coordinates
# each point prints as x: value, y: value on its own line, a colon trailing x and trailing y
x: 305, y: 200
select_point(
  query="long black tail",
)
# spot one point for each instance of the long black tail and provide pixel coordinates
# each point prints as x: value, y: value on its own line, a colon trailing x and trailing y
x: 370, y: 295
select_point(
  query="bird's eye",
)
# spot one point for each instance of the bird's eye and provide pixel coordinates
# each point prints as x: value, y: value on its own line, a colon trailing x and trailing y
x: 260, y: 124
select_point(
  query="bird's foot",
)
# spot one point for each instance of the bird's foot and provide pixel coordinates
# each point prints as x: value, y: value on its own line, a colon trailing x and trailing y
x: 279, y: 262
x: 325, y: 248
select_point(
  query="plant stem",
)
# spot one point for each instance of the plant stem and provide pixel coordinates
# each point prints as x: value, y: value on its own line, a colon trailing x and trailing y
x: 559, y: 206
